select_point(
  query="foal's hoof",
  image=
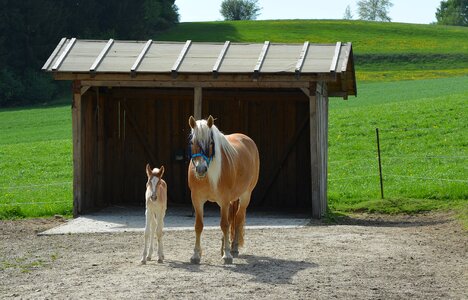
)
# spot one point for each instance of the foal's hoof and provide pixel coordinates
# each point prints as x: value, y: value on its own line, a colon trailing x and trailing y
x: 195, y: 260
x: 143, y: 262
x: 160, y: 260
x: 235, y: 254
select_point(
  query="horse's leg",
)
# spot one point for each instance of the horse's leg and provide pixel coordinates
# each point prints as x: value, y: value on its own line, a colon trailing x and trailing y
x: 151, y: 234
x: 147, y: 235
x: 225, y: 228
x: 238, y: 240
x: 197, y: 251
x: 159, y: 234
x: 233, y: 209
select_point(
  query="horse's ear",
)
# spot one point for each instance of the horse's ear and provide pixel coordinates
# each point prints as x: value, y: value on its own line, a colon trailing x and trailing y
x: 192, y: 122
x: 149, y: 172
x: 210, y: 121
x: 161, y: 172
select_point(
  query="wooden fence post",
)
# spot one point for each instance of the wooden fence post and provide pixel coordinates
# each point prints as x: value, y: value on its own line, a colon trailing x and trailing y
x: 380, y: 163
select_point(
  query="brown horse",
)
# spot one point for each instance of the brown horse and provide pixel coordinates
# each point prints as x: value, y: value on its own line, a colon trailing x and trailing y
x: 223, y: 169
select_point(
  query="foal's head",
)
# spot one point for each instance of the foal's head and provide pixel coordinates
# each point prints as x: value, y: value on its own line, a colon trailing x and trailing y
x: 201, y: 146
x: 154, y: 179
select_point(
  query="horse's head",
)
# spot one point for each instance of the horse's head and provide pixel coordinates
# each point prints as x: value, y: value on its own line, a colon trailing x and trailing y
x: 154, y: 179
x: 201, y: 145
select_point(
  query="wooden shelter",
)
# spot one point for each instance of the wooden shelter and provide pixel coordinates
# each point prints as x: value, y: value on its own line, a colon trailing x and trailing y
x: 132, y: 100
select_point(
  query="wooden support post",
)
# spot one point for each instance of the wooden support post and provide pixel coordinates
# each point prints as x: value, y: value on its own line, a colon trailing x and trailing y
x: 77, y: 115
x: 197, y: 103
x: 101, y: 155
x: 318, y: 105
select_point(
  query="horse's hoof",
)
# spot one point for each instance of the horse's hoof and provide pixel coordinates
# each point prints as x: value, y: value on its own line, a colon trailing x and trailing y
x: 227, y: 260
x: 143, y: 262
x: 160, y: 260
x: 195, y: 260
x: 148, y: 258
x: 235, y: 254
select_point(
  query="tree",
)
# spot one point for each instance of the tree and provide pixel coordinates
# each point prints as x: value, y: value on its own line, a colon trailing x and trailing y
x: 31, y: 29
x: 374, y: 10
x: 453, y: 12
x: 347, y: 13
x: 240, y: 9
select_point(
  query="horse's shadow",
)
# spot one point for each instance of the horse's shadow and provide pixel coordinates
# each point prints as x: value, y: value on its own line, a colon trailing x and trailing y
x: 271, y: 270
x: 262, y: 268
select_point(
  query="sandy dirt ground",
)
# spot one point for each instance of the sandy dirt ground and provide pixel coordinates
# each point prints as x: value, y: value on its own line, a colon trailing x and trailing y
x: 363, y: 257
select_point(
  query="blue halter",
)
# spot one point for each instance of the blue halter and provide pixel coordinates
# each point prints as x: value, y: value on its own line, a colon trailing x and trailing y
x: 202, y: 153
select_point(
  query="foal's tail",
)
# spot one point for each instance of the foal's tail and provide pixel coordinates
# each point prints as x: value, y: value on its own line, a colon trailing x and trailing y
x: 234, y: 220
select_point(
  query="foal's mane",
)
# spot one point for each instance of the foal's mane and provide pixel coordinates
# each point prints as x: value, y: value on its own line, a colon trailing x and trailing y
x: 202, y: 133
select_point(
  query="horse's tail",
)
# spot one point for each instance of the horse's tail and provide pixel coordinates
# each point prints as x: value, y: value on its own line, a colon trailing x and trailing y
x: 233, y: 208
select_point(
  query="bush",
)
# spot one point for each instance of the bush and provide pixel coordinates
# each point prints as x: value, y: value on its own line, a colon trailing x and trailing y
x: 10, y: 87
x: 30, y: 87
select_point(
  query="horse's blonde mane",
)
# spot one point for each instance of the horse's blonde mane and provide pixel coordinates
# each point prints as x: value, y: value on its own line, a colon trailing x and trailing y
x: 220, y: 143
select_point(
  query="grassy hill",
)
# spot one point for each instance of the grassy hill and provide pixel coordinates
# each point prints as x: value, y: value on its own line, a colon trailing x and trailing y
x: 383, y: 51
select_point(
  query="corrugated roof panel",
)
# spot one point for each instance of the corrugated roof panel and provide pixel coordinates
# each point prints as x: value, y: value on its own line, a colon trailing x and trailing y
x: 82, y: 56
x: 318, y: 59
x: 241, y: 58
x: 160, y: 57
x: 344, y: 56
x: 201, y: 57
x: 281, y: 58
x: 120, y: 57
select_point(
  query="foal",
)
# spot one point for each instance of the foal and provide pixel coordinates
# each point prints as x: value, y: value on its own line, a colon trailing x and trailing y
x: 156, y: 204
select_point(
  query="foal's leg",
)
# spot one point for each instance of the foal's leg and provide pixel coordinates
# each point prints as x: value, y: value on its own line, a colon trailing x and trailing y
x: 197, y: 251
x: 225, y: 228
x: 147, y: 235
x: 159, y: 234
x: 151, y: 235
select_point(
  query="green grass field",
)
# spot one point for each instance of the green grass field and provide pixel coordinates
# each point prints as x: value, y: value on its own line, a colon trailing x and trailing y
x: 423, y: 140
x: 423, y: 127
x: 35, y: 161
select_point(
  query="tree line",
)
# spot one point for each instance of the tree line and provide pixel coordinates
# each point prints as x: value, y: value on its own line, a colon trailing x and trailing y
x: 31, y: 29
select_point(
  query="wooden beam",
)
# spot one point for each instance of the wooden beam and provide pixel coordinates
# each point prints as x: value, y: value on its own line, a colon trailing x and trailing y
x: 220, y: 58
x: 77, y: 133
x: 300, y: 61
x: 200, y: 77
x: 140, y: 57
x: 84, y: 89
x: 181, y: 57
x: 101, y: 56
x: 335, y: 57
x: 197, y: 103
x: 52, y: 56
x: 171, y: 84
x: 101, y: 153
x: 306, y: 91
x: 261, y: 58
x: 318, y: 105
x: 64, y: 54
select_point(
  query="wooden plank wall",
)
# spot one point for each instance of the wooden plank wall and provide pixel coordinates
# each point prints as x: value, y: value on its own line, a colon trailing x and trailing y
x: 271, y: 118
x: 124, y: 128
